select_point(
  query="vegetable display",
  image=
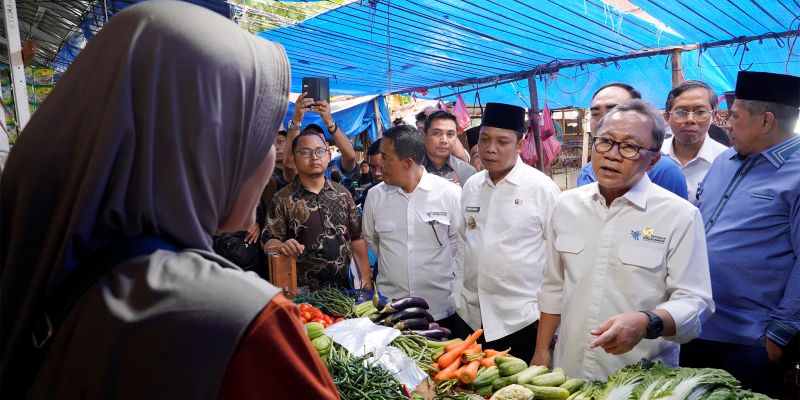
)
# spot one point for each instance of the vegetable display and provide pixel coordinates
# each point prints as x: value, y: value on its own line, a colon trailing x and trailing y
x: 357, y: 379
x: 309, y: 313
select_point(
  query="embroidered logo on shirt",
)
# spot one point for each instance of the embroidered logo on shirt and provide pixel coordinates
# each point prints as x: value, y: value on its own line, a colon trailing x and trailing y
x: 648, y: 235
x: 436, y: 213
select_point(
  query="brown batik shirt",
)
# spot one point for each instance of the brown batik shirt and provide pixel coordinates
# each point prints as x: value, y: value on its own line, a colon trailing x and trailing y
x: 325, y: 223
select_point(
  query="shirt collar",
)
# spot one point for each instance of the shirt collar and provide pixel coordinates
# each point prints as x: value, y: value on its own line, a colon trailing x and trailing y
x: 301, y: 188
x: 513, y: 177
x: 636, y: 195
x: 706, y: 151
x: 778, y: 154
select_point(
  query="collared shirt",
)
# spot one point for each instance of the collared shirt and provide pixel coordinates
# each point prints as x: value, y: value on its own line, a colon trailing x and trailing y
x: 502, y: 253
x: 336, y: 163
x: 751, y: 209
x: 415, y: 236
x: 454, y: 170
x: 646, y: 251
x: 666, y: 173
x: 695, y: 170
x: 325, y: 223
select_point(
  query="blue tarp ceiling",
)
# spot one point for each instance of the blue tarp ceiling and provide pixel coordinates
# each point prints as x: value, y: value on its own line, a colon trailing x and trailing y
x: 396, y: 46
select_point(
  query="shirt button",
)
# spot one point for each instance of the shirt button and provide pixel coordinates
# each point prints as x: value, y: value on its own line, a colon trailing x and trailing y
x: 726, y: 197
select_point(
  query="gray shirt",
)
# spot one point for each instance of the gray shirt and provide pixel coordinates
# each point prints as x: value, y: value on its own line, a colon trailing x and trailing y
x: 454, y: 170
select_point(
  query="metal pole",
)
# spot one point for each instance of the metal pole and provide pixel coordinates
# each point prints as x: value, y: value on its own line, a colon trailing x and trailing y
x: 378, y: 117
x: 537, y: 137
x: 16, y: 64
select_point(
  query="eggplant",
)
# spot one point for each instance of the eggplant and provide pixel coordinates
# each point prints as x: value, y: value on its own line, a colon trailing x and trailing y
x: 378, y: 318
x: 405, y: 302
x: 436, y: 333
x: 412, y: 324
x: 408, y: 313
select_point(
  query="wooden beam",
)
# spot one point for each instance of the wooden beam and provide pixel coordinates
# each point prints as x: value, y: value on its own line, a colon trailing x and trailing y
x: 15, y: 62
x: 677, y: 67
x: 537, y: 136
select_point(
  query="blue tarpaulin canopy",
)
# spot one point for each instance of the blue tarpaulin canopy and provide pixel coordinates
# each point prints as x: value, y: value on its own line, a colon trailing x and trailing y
x: 574, y: 46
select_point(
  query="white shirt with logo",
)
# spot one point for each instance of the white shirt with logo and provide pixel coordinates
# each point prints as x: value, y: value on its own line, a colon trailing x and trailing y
x: 415, y: 236
x: 695, y: 170
x: 503, y: 253
x: 646, y: 251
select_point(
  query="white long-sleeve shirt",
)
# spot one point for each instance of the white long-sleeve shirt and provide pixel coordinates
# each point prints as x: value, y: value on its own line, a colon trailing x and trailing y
x: 502, y: 253
x: 695, y: 170
x: 646, y: 251
x: 415, y: 236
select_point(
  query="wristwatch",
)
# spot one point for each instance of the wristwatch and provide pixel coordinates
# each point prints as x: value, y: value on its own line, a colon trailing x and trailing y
x: 655, y: 327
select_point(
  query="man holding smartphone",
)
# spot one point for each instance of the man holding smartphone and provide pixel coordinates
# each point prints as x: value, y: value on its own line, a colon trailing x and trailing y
x: 346, y: 162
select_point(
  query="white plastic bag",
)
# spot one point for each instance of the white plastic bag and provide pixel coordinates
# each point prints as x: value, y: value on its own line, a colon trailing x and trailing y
x: 361, y: 336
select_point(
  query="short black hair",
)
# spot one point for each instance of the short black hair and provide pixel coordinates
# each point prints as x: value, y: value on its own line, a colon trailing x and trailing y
x: 439, y: 114
x: 374, y: 148
x: 407, y: 143
x: 630, y: 89
x: 315, y: 128
x: 687, y: 85
x: 283, y: 132
x: 305, y: 133
x: 641, y: 107
x: 420, y: 116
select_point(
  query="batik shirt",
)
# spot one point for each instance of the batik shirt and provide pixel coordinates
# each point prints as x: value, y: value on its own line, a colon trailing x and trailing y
x: 325, y: 223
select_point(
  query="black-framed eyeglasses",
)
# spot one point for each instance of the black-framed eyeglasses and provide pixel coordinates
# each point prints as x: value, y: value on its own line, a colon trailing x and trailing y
x: 319, y: 152
x: 626, y: 150
x: 699, y: 115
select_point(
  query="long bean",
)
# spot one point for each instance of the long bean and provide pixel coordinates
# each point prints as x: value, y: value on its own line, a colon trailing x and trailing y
x: 358, y: 380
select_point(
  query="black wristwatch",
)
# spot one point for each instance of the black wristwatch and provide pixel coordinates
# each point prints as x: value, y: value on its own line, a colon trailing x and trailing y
x: 655, y: 327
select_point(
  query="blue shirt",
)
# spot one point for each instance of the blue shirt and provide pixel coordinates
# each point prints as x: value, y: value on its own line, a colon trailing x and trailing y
x: 337, y: 162
x: 666, y: 173
x: 751, y: 211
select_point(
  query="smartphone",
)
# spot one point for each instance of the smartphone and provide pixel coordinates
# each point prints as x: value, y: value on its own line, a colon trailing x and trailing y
x: 317, y: 88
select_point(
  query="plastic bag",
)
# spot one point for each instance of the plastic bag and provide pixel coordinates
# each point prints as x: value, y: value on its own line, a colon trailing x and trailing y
x: 361, y: 336
x: 462, y: 115
x: 528, y: 152
x: 547, y: 127
x: 550, y: 149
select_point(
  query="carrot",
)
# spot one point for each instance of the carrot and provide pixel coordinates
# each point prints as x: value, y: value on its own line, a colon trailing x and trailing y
x: 457, y: 374
x: 449, y: 372
x: 451, y: 346
x: 489, y: 360
x: 474, y: 349
x: 470, y: 372
x: 448, y: 358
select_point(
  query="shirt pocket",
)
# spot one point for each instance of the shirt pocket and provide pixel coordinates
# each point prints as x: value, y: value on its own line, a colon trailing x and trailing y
x: 383, y: 226
x: 439, y: 229
x: 641, y: 273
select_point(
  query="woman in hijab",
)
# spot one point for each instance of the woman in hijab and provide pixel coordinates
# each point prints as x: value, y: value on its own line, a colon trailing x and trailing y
x: 162, y: 127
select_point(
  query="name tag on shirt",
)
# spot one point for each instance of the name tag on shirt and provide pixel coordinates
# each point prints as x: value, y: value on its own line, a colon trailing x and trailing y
x: 473, y: 209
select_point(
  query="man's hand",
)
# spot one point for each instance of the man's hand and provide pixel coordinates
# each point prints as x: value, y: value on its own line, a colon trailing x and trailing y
x: 620, y: 333
x: 300, y: 107
x: 774, y: 352
x: 252, y: 234
x: 291, y: 248
x: 322, y: 108
x: 542, y: 357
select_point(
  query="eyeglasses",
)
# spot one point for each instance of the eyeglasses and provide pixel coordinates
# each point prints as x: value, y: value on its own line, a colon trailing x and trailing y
x: 699, y: 115
x: 626, y: 150
x: 319, y: 152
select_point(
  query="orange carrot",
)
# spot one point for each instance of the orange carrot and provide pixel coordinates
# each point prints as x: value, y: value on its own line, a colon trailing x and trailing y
x: 470, y: 372
x: 489, y: 360
x: 474, y: 349
x: 449, y: 372
x: 457, y: 374
x: 435, y: 366
x: 448, y: 358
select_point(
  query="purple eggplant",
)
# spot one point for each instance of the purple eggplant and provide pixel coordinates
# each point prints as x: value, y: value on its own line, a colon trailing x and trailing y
x: 411, y: 324
x: 408, y: 313
x: 436, y: 333
x: 405, y: 302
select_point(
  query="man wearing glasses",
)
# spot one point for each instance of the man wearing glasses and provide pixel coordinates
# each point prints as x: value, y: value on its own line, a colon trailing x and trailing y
x: 626, y: 259
x: 664, y: 173
x: 689, y: 110
x: 316, y: 220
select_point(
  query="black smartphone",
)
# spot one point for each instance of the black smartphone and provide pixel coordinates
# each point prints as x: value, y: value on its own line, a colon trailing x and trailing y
x: 317, y: 88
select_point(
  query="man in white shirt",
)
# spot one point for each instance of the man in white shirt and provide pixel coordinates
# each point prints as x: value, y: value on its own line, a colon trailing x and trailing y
x: 502, y: 253
x: 627, y: 259
x: 689, y: 111
x: 411, y: 222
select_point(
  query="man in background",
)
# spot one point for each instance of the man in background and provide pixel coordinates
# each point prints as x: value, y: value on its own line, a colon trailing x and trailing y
x: 441, y: 130
x: 664, y: 173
